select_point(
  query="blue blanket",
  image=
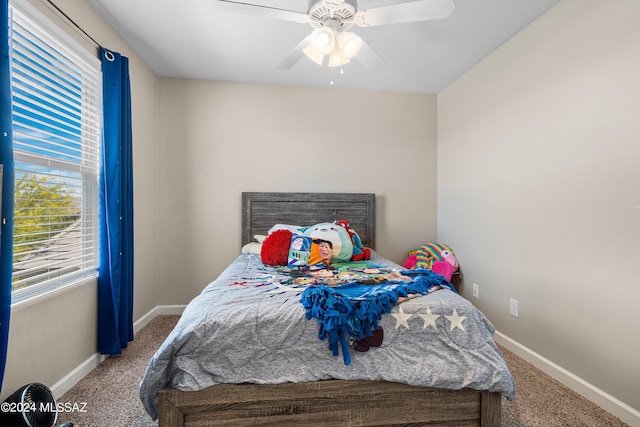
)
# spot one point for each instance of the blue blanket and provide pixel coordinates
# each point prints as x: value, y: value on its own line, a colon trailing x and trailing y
x: 354, y: 309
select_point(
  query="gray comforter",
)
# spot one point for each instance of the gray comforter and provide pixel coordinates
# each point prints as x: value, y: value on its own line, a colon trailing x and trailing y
x: 246, y: 327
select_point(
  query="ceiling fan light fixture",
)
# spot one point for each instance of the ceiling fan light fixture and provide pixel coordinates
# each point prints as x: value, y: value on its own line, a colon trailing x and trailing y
x: 323, y: 40
x: 331, y: 19
x: 349, y: 44
x: 313, y: 54
x: 337, y: 59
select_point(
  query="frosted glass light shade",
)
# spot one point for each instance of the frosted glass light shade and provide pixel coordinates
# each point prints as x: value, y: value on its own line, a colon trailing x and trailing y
x: 323, y: 40
x: 313, y: 54
x: 340, y: 46
x: 336, y: 58
x: 349, y: 44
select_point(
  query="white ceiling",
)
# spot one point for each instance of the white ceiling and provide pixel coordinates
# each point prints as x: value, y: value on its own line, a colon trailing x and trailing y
x: 191, y: 39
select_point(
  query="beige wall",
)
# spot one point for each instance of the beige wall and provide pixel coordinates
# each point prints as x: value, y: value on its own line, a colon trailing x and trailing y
x: 219, y: 139
x: 539, y: 188
x: 50, y: 338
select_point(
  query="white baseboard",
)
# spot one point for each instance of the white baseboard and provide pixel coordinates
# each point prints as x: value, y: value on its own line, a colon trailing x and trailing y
x: 72, y: 378
x: 69, y: 380
x: 157, y: 311
x: 607, y: 402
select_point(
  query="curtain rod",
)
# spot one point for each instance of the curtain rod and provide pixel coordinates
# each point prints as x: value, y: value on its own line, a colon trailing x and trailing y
x: 71, y: 21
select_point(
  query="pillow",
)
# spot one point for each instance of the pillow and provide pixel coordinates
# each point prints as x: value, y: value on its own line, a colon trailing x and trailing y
x: 252, y: 248
x: 306, y: 251
x: 292, y: 228
x: 337, y: 235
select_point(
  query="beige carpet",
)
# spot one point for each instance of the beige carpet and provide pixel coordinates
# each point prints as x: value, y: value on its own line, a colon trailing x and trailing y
x: 110, y: 391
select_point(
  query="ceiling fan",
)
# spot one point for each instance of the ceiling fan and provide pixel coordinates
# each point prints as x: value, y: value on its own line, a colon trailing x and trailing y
x: 330, y: 20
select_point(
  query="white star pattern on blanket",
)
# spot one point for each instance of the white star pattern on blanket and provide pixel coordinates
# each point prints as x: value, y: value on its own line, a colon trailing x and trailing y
x: 456, y: 320
x: 402, y: 319
x: 429, y: 319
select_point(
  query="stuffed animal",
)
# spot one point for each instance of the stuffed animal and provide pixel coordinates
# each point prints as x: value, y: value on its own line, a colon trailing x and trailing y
x: 410, y: 262
x: 427, y: 255
x: 436, y: 257
x: 359, y: 252
x: 275, y: 248
x: 444, y: 269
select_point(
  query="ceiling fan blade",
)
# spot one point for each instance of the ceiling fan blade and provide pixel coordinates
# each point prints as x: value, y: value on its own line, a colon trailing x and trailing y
x: 294, y: 55
x: 370, y: 58
x: 419, y: 10
x: 258, y: 10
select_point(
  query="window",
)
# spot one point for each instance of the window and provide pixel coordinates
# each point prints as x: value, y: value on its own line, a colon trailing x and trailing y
x: 57, y: 115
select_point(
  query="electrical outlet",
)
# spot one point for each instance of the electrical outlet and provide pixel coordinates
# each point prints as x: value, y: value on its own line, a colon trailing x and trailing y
x: 513, y: 307
x: 476, y: 290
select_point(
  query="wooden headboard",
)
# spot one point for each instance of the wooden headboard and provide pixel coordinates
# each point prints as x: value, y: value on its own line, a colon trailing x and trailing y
x: 261, y: 211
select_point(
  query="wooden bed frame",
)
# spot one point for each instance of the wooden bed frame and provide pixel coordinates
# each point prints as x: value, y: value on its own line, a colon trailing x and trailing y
x: 331, y: 402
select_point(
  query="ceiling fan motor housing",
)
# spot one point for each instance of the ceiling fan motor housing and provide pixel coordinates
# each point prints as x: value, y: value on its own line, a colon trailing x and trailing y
x: 335, y: 14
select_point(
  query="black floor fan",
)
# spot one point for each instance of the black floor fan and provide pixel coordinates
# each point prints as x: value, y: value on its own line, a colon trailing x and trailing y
x: 32, y: 405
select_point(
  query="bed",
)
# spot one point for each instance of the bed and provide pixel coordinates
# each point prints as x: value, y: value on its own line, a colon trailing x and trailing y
x: 244, y: 351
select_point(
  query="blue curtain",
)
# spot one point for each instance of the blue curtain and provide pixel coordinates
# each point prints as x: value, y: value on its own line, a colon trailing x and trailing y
x: 115, y: 278
x: 7, y: 179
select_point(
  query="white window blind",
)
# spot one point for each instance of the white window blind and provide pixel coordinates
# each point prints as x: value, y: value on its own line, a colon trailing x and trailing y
x: 57, y: 120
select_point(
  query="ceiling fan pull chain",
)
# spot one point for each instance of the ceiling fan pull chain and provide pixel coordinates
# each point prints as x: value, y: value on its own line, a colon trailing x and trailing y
x: 332, y: 75
x: 340, y: 73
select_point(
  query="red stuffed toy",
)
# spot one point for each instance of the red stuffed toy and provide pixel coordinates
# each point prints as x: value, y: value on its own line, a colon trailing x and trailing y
x: 275, y: 248
x: 359, y: 252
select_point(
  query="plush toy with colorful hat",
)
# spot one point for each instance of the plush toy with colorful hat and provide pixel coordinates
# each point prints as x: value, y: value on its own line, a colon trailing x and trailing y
x: 433, y: 256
